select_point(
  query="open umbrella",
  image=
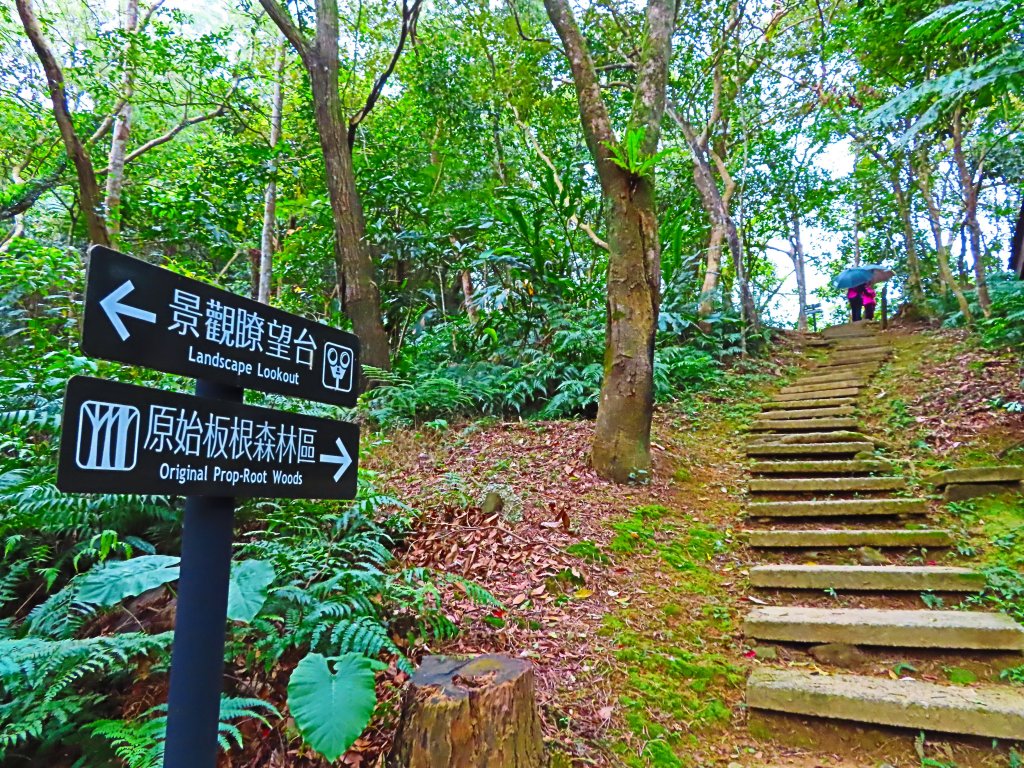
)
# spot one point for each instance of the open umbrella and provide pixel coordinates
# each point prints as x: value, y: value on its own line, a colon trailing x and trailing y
x: 866, y: 273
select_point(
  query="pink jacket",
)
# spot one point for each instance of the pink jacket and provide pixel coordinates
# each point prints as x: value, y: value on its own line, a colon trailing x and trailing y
x: 865, y: 292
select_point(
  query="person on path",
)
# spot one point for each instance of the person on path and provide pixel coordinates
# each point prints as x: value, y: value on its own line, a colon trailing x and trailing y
x: 861, y: 297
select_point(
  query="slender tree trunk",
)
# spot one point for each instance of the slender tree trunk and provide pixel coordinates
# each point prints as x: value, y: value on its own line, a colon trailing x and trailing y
x: 467, y: 296
x: 970, y: 193
x: 359, y: 293
x: 712, y: 272
x: 622, y: 434
x: 88, y: 187
x: 270, y: 196
x: 121, y: 131
x: 801, y: 274
x: 913, y: 263
x: 941, y: 247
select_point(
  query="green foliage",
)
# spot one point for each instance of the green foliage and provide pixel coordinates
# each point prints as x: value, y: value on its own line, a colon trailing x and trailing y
x: 247, y: 589
x: 631, y: 157
x: 1005, y: 327
x: 50, y: 687
x: 332, y: 706
x: 1004, y: 589
x: 139, y: 743
x: 112, y: 582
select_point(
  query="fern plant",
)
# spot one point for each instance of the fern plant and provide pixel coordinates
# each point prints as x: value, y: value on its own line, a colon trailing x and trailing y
x: 139, y: 742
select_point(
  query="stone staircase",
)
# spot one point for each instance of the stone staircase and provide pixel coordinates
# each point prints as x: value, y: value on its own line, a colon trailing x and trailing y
x: 818, y: 487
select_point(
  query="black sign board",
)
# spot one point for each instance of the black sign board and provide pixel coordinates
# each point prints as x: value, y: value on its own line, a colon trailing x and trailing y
x: 119, y: 438
x: 145, y: 315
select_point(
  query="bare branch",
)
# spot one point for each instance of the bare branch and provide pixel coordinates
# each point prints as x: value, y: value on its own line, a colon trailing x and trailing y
x: 519, y: 26
x: 409, y: 16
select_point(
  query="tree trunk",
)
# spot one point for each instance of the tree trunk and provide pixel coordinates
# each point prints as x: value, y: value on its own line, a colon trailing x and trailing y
x: 913, y: 264
x: 801, y: 274
x: 712, y: 272
x: 622, y: 435
x: 941, y: 247
x: 467, y: 296
x: 622, y: 439
x: 970, y: 193
x: 121, y: 131
x: 477, y: 713
x: 88, y: 188
x: 270, y: 196
x: 359, y: 293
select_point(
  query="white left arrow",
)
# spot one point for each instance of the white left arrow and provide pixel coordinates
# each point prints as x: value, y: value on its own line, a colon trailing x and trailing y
x: 343, y: 460
x: 115, y: 309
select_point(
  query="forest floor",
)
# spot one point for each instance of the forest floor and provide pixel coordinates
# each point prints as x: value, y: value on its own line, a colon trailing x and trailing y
x: 629, y: 599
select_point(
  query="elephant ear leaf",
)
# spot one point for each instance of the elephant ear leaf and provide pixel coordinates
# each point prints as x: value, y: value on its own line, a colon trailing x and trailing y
x: 332, y: 708
x: 111, y: 582
x: 247, y: 590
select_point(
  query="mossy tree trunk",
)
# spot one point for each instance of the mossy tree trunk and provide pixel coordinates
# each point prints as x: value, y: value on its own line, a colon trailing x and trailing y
x: 623, y: 433
x: 469, y: 713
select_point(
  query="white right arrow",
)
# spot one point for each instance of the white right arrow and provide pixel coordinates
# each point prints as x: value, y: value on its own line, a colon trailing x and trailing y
x: 114, y: 308
x: 344, y: 461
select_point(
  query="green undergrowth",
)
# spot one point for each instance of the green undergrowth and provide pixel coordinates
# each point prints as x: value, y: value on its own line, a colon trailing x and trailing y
x: 673, y: 677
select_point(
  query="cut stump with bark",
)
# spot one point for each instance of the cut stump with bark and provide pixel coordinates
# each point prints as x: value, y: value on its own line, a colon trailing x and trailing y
x: 469, y: 713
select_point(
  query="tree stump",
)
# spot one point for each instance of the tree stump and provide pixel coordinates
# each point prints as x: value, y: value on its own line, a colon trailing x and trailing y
x: 469, y: 713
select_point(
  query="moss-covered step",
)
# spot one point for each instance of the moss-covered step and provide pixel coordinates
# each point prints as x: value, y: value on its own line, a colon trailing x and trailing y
x: 860, y: 342
x: 1005, y: 474
x: 824, y: 467
x: 833, y: 436
x: 823, y: 394
x: 829, y: 377
x: 823, y: 386
x: 825, y: 484
x: 809, y: 413
x: 802, y: 425
x: 889, y: 628
x: 808, y: 449
x: 991, y: 711
x: 827, y: 538
x: 810, y: 402
x: 870, y: 578
x: 837, y: 508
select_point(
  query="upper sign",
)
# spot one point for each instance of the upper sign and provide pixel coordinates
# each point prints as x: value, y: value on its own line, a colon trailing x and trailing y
x: 139, y: 313
x: 119, y: 438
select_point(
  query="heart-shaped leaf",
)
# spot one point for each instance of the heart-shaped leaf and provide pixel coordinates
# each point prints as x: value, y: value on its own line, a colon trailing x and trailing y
x: 331, y: 709
x: 112, y: 582
x: 247, y: 590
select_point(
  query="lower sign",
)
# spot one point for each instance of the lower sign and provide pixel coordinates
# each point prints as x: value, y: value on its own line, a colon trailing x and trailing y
x: 119, y: 438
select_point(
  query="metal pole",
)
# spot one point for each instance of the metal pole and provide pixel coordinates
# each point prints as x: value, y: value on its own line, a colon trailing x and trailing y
x: 197, y: 656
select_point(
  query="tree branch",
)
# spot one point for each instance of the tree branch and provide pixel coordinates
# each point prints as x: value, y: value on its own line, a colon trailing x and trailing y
x: 652, y: 74
x: 284, y: 22
x: 519, y: 26
x: 409, y: 16
x: 597, y: 127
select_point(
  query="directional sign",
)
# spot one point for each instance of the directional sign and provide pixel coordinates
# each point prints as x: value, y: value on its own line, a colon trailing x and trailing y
x: 119, y: 438
x: 142, y: 314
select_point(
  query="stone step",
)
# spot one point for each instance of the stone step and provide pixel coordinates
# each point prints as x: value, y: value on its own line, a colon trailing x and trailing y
x: 823, y: 386
x: 861, y: 353
x: 837, y: 508
x: 837, y: 537
x: 808, y: 449
x: 991, y: 711
x: 825, y: 484
x: 808, y: 413
x: 823, y: 394
x: 852, y: 467
x: 873, y: 578
x: 811, y: 402
x: 817, y: 368
x: 803, y: 425
x: 1005, y: 474
x: 847, y: 330
x: 830, y: 377
x: 832, y: 436
x: 860, y: 342
x: 890, y: 628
